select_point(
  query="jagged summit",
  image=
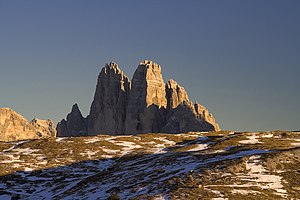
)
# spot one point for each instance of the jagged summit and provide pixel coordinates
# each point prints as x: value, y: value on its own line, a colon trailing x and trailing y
x: 143, y: 105
x: 149, y: 63
x: 74, y: 125
x: 112, y: 66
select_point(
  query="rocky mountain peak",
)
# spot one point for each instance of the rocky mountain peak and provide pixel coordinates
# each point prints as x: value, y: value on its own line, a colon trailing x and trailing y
x: 75, y: 110
x: 147, y: 99
x: 75, y: 125
x: 149, y: 64
x: 112, y: 67
x: 107, y: 113
x: 148, y: 83
x: 143, y: 105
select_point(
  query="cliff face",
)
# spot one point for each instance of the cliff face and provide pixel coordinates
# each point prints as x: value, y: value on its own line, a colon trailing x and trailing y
x: 147, y: 100
x: 14, y: 126
x: 175, y: 94
x: 183, y: 115
x: 144, y: 105
x: 108, y: 110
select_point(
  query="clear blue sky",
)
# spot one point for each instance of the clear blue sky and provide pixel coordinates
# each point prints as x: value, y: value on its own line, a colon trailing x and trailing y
x: 241, y: 59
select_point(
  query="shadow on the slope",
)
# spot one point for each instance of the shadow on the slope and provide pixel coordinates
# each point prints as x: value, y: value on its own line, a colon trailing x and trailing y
x: 60, y: 181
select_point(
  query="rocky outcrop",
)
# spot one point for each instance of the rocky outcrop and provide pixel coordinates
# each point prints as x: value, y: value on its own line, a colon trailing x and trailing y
x: 188, y: 117
x: 183, y: 115
x: 147, y: 101
x: 45, y: 128
x: 75, y: 125
x: 204, y: 115
x: 144, y: 105
x: 14, y: 126
x: 108, y: 110
x: 175, y: 94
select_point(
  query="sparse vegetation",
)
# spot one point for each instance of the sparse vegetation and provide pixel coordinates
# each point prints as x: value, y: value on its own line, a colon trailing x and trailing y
x: 148, y: 166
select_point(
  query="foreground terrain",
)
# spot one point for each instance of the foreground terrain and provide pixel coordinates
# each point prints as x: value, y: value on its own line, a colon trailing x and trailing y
x: 207, y: 165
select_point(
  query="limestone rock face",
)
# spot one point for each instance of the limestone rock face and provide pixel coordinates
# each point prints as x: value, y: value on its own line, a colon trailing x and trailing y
x: 14, y: 126
x: 108, y: 110
x: 188, y: 117
x: 175, y: 94
x: 144, y: 105
x: 75, y: 125
x: 45, y: 128
x: 204, y: 115
x: 147, y: 101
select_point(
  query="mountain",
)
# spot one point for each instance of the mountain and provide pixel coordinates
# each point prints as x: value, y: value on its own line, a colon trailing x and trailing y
x: 14, y: 126
x: 108, y: 110
x: 194, y: 165
x: 146, y: 104
x: 75, y: 125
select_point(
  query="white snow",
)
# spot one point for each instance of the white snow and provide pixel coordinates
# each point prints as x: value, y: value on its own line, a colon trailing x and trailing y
x: 163, y: 139
x: 25, y: 151
x: 199, y: 147
x: 267, y: 136
x: 244, y: 192
x: 14, y: 146
x: 258, y: 176
x: 296, y: 144
x: 251, y: 139
x: 92, y: 140
x: 59, y: 139
x: 27, y: 169
x: 89, y: 153
x: 110, y: 151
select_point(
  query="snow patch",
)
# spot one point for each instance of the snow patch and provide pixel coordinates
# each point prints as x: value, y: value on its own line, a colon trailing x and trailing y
x: 199, y: 147
x: 92, y: 140
x: 267, y: 136
x: 251, y: 140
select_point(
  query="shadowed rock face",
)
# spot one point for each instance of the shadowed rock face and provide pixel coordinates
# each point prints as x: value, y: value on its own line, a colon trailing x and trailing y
x: 144, y: 105
x: 75, y: 125
x: 185, y: 117
x: 14, y: 126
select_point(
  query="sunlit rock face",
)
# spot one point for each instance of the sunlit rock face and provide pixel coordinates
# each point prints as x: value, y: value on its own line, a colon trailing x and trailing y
x: 13, y: 126
x: 45, y: 128
x: 75, y: 125
x: 175, y: 94
x: 145, y: 105
x: 108, y: 110
x: 147, y: 101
